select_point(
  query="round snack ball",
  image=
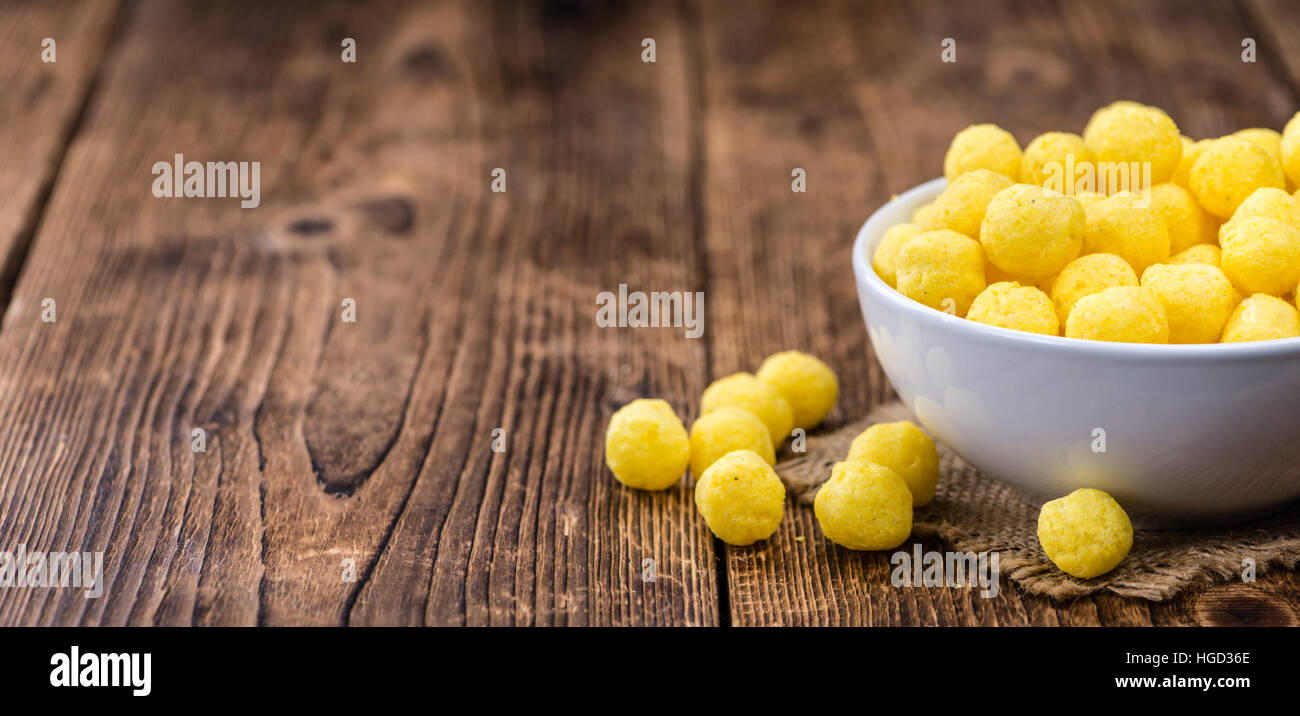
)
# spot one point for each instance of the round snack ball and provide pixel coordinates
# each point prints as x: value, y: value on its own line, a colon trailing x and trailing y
x: 922, y: 214
x: 1198, y: 300
x: 903, y: 448
x: 993, y: 274
x: 725, y: 430
x: 982, y: 146
x: 864, y: 506
x: 1270, y: 140
x: 1191, y: 150
x: 1187, y: 222
x: 1050, y: 155
x: 1020, y: 308
x: 1031, y: 231
x: 1199, y: 254
x: 1124, y: 314
x: 1087, y: 275
x: 1230, y: 170
x: 740, y: 498
x: 1088, y: 198
x: 806, y: 383
x: 747, y: 392
x: 646, y: 445
x: 1261, y: 255
x: 885, y: 262
x: 1291, y: 149
x: 1262, y: 318
x: 1269, y: 202
x: 1086, y: 533
x: 1126, y: 132
x: 961, y: 206
x: 1120, y: 225
x: 936, y: 266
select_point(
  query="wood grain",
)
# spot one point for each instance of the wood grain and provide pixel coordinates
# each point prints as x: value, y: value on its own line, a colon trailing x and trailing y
x: 366, y: 448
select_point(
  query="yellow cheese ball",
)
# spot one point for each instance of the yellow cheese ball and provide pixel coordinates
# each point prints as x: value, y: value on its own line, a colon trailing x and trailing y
x: 1125, y: 314
x: 1032, y: 232
x: 740, y: 498
x: 1261, y: 255
x: 1270, y: 140
x: 982, y: 146
x: 1262, y: 318
x: 1269, y: 202
x: 939, y: 266
x: 1291, y: 149
x: 864, y: 506
x: 885, y: 262
x: 1020, y: 308
x: 1187, y: 222
x: 1230, y: 170
x: 1088, y: 198
x: 747, y: 392
x: 1049, y: 157
x: 923, y: 215
x: 725, y: 430
x: 962, y: 204
x: 1198, y: 300
x: 904, y: 449
x: 1086, y: 533
x: 1126, y: 132
x: 1191, y: 150
x: 806, y: 383
x: 1207, y: 254
x: 1121, y: 225
x: 1087, y: 275
x: 646, y: 445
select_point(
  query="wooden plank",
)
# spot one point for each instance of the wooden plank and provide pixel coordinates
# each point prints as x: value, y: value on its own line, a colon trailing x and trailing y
x: 368, y: 441
x: 861, y: 100
x: 40, y: 103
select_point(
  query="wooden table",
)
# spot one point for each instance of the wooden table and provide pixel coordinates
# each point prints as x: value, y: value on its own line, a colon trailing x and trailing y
x: 365, y: 449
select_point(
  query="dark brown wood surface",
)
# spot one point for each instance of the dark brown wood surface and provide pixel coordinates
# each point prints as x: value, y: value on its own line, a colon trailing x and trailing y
x: 350, y: 476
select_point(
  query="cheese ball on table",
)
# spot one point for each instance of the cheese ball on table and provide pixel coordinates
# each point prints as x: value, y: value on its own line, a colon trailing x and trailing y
x: 1120, y: 225
x: 982, y: 146
x: 1207, y: 254
x: 1230, y: 170
x: 725, y: 430
x: 1198, y: 300
x: 903, y: 448
x: 939, y: 266
x: 1086, y: 533
x: 740, y: 498
x: 1126, y: 132
x: 806, y: 383
x: 962, y: 204
x: 1261, y: 255
x: 1187, y: 222
x: 1020, y: 308
x: 1050, y: 156
x: 885, y: 262
x: 1087, y: 275
x: 1031, y: 232
x: 864, y: 506
x: 646, y: 445
x: 1262, y: 318
x: 747, y: 392
x: 1124, y: 314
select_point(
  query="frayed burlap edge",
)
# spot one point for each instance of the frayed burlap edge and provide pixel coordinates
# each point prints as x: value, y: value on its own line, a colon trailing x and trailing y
x: 975, y: 512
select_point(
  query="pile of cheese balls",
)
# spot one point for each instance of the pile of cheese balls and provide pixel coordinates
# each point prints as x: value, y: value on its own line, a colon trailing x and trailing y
x: 731, y: 448
x: 867, y: 502
x: 1208, y: 251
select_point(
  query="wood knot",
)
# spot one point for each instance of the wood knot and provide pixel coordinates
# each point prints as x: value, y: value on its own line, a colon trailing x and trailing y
x: 394, y: 214
x: 311, y: 226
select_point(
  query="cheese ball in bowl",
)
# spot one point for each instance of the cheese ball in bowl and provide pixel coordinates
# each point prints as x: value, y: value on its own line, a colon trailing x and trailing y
x: 1194, y: 434
x: 1198, y: 300
x: 941, y: 269
x: 982, y: 146
x: 1031, y: 232
x: 1020, y: 308
x: 1124, y: 314
x: 1230, y: 170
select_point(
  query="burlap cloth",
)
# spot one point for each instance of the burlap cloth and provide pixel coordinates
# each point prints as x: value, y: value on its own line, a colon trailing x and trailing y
x: 975, y: 512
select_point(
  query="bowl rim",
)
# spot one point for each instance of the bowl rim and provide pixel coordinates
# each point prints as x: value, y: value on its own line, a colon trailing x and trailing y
x: 868, y: 281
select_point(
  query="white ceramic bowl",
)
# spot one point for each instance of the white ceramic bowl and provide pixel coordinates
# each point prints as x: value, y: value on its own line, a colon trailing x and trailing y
x: 1193, y: 435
